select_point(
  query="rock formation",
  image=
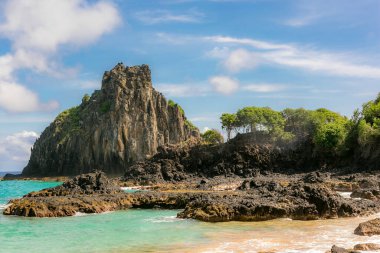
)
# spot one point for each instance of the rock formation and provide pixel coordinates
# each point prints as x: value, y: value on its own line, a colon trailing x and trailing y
x: 264, y: 200
x: 369, y: 228
x: 125, y: 121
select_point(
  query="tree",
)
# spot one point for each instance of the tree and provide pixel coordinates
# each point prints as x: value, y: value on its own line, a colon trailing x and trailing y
x: 272, y: 121
x: 212, y: 136
x: 298, y: 122
x: 330, y: 136
x: 229, y: 122
x: 85, y: 98
x: 249, y: 118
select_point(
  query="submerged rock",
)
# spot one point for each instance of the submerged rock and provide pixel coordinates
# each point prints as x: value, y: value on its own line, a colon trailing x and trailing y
x: 367, y: 246
x: 123, y: 122
x: 336, y: 249
x: 369, y: 228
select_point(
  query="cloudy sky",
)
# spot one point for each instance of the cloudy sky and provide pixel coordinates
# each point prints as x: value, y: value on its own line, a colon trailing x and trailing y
x: 211, y: 56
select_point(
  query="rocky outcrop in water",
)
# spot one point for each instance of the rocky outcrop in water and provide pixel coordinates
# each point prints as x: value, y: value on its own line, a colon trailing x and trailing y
x: 264, y: 200
x: 269, y: 200
x: 369, y: 228
x: 124, y: 122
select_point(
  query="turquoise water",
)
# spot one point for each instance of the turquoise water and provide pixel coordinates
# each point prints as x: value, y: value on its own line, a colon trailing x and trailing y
x: 160, y: 231
x: 121, y: 231
x: 18, y: 188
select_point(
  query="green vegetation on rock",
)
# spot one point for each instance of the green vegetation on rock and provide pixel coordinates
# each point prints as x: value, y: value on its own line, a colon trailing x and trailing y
x: 328, y: 132
x: 171, y: 103
x: 67, y: 122
x: 86, y: 98
x: 229, y: 122
x: 188, y: 123
x: 105, y: 106
x: 212, y: 136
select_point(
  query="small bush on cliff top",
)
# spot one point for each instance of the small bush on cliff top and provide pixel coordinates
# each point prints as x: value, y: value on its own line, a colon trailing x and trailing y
x: 67, y: 122
x: 171, y: 103
x: 212, y: 136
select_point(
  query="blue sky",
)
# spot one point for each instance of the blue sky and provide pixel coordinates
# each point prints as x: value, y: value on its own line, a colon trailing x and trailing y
x: 210, y: 56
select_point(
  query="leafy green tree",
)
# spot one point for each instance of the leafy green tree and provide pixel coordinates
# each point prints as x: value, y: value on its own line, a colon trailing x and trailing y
x: 371, y: 112
x: 212, y: 136
x: 249, y: 117
x: 298, y: 122
x: 367, y: 129
x: 330, y: 136
x: 329, y: 130
x: 229, y: 122
x: 272, y: 121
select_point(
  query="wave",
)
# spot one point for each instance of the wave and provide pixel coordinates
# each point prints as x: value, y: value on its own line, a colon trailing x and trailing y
x: 3, y: 206
x: 165, y: 219
x: 347, y: 195
x: 78, y: 214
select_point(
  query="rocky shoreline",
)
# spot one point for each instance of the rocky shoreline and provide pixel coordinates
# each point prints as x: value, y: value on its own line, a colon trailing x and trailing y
x: 301, y: 197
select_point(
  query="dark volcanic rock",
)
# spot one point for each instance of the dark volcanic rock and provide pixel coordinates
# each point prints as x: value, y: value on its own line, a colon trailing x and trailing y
x: 125, y: 121
x: 313, y: 177
x: 88, y: 184
x: 269, y: 201
x: 372, y: 194
x: 238, y: 157
x: 265, y: 199
x: 369, y: 228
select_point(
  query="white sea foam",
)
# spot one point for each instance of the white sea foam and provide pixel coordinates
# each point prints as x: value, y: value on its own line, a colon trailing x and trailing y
x: 4, y: 206
x: 77, y: 214
x: 164, y: 219
x: 131, y: 188
x: 346, y: 195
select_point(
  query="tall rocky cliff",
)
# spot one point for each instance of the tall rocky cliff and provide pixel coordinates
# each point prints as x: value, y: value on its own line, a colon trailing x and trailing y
x: 125, y: 121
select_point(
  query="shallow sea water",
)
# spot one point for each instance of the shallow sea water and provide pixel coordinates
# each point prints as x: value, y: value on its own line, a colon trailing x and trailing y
x: 160, y: 231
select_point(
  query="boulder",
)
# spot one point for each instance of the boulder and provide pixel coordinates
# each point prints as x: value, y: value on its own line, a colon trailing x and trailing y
x: 336, y: 249
x: 367, y: 246
x: 369, y: 228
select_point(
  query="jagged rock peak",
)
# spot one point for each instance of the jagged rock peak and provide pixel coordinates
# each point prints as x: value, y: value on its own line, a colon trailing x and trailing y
x: 124, y: 122
x: 121, y: 71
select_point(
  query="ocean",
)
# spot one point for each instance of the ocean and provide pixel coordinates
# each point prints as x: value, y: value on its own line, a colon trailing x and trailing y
x: 160, y: 231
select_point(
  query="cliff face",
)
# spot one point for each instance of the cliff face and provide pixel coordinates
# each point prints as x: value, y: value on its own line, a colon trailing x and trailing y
x: 125, y: 121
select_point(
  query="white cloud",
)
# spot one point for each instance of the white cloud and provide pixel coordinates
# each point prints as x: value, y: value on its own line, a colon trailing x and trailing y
x: 183, y: 90
x: 297, y: 57
x: 46, y: 24
x: 16, y: 147
x: 36, y: 30
x: 221, y: 84
x: 263, y: 88
x: 152, y: 17
x: 303, y: 20
x: 17, y: 98
x: 205, y: 129
x: 224, y: 84
x: 248, y: 42
x: 240, y: 59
